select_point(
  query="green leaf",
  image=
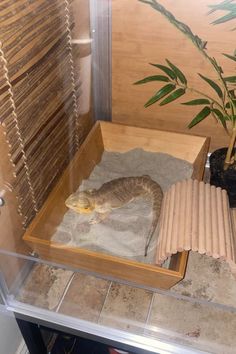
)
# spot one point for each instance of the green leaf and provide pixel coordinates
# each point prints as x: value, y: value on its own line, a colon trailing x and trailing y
x: 230, y: 79
x: 177, y: 72
x: 152, y: 78
x: 197, y: 102
x: 221, y: 117
x: 146, y: 2
x: 228, y: 6
x: 225, y: 5
x: 228, y: 105
x: 232, y: 57
x: 213, y: 85
x: 167, y: 70
x: 200, y: 116
x: 226, y: 18
x: 173, y: 96
x: 232, y: 93
x: 160, y: 94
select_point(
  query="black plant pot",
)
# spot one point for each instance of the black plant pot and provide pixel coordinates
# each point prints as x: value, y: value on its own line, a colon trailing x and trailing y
x: 224, y: 179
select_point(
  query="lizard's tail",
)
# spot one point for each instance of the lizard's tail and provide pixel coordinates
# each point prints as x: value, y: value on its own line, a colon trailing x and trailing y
x: 157, y: 196
x: 149, y: 238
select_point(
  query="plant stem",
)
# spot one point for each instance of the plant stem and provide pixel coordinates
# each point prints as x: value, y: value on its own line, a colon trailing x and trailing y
x: 191, y: 89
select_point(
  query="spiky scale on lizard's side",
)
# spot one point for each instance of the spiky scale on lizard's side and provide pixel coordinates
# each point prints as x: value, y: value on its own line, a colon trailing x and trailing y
x: 116, y: 193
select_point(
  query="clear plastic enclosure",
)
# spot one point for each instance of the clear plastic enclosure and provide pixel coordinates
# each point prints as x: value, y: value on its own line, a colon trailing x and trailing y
x: 95, y: 266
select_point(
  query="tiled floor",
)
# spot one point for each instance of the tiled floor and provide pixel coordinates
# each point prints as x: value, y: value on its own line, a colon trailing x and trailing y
x: 179, y: 318
x: 44, y: 286
x: 126, y: 308
x: 193, y: 324
x: 85, y: 297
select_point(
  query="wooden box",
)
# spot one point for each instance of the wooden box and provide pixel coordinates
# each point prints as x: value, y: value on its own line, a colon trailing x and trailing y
x: 121, y: 138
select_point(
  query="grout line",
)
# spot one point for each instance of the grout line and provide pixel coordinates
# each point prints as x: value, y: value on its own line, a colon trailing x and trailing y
x: 104, y: 302
x: 149, y: 312
x: 64, y: 292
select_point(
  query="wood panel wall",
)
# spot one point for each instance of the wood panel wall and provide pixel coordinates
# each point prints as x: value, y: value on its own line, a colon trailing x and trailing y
x: 140, y: 35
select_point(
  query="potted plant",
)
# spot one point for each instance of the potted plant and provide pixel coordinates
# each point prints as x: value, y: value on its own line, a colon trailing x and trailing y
x: 223, y: 107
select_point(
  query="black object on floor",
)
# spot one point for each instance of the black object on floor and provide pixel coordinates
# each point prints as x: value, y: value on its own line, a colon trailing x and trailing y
x: 45, y: 340
x: 32, y: 337
x: 66, y: 344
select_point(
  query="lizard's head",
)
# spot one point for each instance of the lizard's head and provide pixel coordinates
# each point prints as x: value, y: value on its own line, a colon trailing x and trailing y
x: 80, y: 202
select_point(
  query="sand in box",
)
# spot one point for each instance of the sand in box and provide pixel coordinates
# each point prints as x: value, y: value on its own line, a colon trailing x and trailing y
x: 125, y: 230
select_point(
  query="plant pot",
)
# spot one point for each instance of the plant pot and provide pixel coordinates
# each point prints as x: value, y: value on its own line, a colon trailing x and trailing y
x: 224, y: 179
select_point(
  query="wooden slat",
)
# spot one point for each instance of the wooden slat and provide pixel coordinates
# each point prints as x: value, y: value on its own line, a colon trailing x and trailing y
x: 41, y: 123
x: 207, y: 230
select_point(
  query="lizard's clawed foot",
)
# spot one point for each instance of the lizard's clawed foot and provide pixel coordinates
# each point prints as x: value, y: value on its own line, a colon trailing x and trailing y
x: 98, y: 218
x: 94, y: 221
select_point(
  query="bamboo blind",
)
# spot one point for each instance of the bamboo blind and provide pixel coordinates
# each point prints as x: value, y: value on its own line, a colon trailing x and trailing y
x: 196, y: 216
x: 39, y: 92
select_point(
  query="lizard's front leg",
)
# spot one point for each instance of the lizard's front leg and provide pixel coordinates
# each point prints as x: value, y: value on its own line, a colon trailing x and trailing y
x: 98, y: 217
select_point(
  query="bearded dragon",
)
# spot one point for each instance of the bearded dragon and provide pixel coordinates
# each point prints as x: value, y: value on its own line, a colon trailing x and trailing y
x: 116, y: 193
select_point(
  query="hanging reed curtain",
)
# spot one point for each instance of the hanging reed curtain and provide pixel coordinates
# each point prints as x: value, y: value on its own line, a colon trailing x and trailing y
x: 38, y: 95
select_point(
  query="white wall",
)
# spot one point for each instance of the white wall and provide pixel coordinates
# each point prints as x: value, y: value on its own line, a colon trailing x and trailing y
x: 10, y: 336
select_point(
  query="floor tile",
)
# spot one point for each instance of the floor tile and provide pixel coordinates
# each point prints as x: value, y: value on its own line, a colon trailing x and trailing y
x: 85, y: 297
x: 208, y: 279
x: 126, y: 308
x: 44, y: 286
x: 197, y: 325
